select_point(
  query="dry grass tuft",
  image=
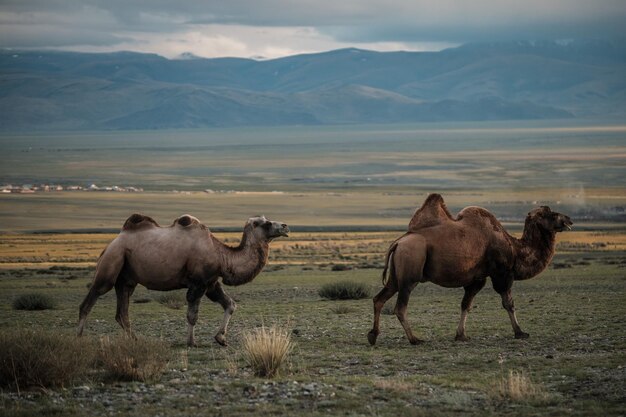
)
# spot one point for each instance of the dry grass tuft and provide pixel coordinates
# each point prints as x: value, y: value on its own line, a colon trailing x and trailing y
x: 265, y: 349
x: 30, y: 358
x: 519, y: 387
x: 134, y: 359
x: 396, y: 385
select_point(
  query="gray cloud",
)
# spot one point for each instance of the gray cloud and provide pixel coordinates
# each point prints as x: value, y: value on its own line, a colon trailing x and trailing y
x: 58, y: 23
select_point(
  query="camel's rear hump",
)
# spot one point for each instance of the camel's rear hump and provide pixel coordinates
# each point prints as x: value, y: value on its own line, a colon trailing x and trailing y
x: 188, y: 221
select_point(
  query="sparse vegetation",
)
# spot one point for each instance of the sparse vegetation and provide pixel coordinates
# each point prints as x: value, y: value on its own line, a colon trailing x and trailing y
x: 341, y: 309
x: 39, y: 358
x: 33, y: 301
x: 173, y: 299
x: 134, y: 359
x: 575, y: 358
x: 344, y: 290
x: 266, y: 349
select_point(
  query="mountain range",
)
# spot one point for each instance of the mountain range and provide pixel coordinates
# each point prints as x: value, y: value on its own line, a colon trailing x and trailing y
x: 488, y: 81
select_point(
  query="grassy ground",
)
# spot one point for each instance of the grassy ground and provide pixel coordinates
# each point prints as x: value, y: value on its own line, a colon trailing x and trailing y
x: 574, y: 313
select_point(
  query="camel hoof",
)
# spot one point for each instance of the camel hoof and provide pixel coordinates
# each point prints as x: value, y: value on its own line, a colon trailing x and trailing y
x: 219, y: 338
x: 461, y: 338
x: 192, y: 343
x: 371, y: 337
x: 416, y: 341
x: 522, y: 335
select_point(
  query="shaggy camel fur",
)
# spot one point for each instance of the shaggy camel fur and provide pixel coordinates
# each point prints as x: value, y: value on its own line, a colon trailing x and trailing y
x: 183, y: 255
x: 463, y: 252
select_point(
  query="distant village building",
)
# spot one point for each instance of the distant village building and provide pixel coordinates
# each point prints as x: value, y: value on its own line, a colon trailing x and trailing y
x: 30, y: 188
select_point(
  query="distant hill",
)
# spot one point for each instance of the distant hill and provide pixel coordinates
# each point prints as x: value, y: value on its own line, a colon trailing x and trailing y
x: 498, y: 81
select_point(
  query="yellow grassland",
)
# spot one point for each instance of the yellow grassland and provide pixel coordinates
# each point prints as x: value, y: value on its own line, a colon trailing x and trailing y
x: 45, y: 250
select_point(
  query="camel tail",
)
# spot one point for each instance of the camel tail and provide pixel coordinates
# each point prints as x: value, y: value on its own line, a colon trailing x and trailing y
x: 389, y: 264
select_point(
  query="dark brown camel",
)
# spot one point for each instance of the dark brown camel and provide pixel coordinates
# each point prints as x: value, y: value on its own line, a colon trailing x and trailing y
x: 183, y: 255
x: 463, y: 252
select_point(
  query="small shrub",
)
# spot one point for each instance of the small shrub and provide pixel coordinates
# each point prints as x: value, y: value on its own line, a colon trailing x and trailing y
x: 265, y: 349
x: 142, y: 300
x: 43, y: 359
x: 174, y: 300
x: 134, y: 359
x: 340, y: 267
x: 33, y: 301
x: 519, y: 387
x: 346, y: 290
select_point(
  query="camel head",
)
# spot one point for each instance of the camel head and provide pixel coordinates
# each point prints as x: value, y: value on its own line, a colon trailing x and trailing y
x: 264, y: 229
x: 549, y: 220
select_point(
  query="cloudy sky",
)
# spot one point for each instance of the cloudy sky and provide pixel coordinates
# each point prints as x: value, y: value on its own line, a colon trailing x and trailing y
x: 274, y: 28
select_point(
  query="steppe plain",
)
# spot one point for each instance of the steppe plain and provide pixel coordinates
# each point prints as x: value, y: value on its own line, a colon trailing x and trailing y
x: 346, y: 192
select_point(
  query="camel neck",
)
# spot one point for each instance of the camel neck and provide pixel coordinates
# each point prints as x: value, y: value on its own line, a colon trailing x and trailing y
x: 243, y: 263
x: 534, y: 252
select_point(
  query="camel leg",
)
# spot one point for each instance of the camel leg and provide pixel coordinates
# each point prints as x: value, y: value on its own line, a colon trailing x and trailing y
x: 509, y: 306
x: 408, y: 264
x: 217, y: 295
x: 109, y: 266
x: 123, y: 290
x: 400, y: 310
x: 379, y: 301
x: 194, y: 296
x: 466, y: 305
x: 96, y: 290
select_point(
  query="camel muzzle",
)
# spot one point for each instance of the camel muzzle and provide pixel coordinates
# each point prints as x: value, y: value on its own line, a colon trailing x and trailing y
x: 280, y: 229
x: 284, y: 231
x: 567, y: 224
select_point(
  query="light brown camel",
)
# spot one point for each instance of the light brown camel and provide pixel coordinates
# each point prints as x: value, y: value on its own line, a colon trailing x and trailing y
x: 463, y: 252
x: 183, y: 255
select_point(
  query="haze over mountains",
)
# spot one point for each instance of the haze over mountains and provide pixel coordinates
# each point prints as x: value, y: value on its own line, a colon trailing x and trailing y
x: 499, y: 81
